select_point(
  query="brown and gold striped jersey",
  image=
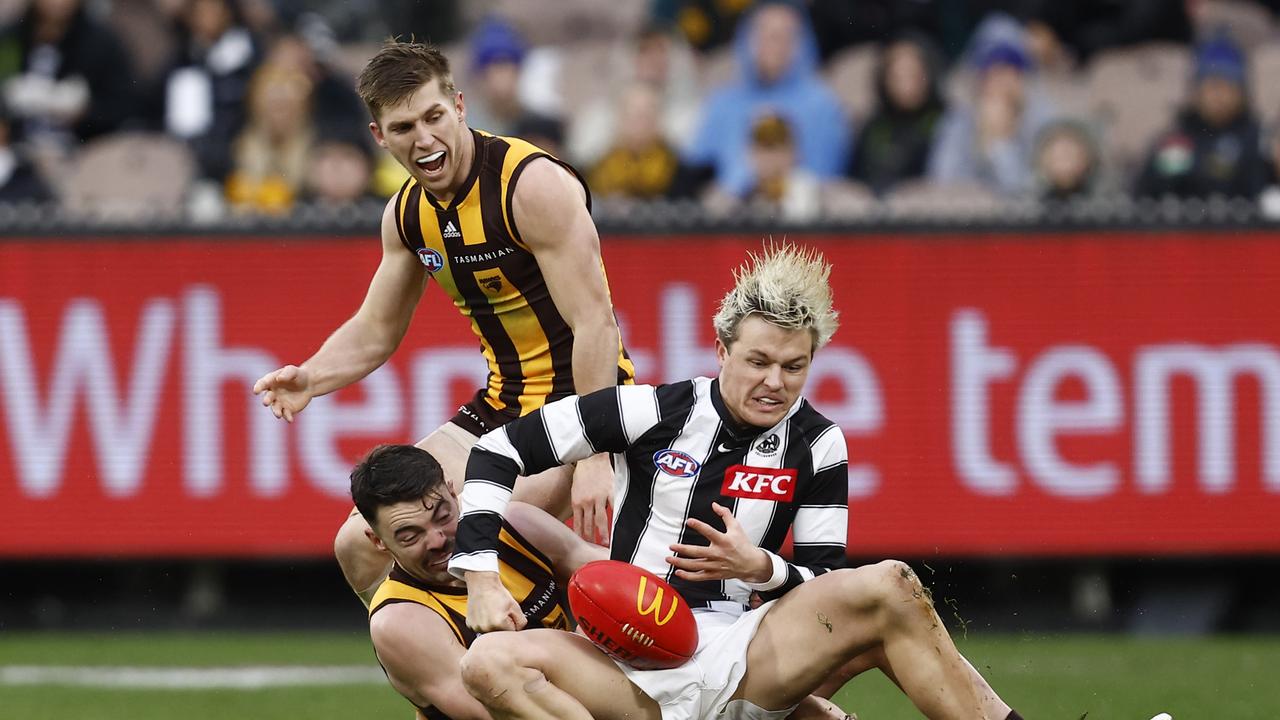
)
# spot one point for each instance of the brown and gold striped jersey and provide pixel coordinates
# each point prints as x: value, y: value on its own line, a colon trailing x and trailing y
x: 472, y: 247
x: 525, y: 572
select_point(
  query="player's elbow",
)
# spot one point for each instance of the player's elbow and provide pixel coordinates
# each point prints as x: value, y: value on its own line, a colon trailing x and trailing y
x: 593, y: 318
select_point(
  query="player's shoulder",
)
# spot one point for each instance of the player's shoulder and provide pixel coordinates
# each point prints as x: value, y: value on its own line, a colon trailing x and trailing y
x: 812, y: 426
x: 401, y: 625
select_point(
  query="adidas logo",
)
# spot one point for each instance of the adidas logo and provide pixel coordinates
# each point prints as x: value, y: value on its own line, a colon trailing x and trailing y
x: 451, y: 231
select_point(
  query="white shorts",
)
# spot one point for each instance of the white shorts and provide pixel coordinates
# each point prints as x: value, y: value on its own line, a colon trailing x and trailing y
x: 700, y: 689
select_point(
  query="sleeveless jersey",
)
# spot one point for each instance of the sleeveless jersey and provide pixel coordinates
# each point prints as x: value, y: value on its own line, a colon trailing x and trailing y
x: 525, y: 572
x: 473, y: 249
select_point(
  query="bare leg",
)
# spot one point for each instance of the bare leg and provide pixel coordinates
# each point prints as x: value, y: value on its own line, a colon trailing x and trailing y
x: 365, y: 566
x: 550, y: 675
x: 879, y: 610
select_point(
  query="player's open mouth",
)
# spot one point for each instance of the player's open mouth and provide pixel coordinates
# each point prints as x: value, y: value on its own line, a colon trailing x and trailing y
x: 768, y: 403
x: 431, y: 163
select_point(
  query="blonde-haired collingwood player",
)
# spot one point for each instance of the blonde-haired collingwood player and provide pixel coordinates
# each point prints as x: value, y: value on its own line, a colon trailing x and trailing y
x: 710, y: 475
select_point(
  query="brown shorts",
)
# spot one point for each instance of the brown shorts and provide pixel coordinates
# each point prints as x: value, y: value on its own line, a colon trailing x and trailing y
x: 478, y: 417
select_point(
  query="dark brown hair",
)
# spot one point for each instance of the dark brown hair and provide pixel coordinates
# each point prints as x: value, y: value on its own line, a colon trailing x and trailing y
x: 398, y: 70
x: 392, y: 474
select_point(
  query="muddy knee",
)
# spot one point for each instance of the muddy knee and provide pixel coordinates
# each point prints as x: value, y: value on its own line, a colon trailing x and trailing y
x: 901, y: 595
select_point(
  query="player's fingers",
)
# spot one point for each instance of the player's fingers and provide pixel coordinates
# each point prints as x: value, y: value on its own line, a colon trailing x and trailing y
x: 288, y: 414
x: 518, y: 620
x: 601, y: 524
x: 692, y: 551
x: 730, y: 522
x: 703, y: 529
x: 579, y: 524
x: 276, y: 410
x: 288, y: 373
x: 268, y: 397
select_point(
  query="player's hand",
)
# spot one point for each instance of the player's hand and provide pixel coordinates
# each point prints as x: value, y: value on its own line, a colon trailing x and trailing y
x: 286, y: 391
x: 731, y: 553
x: 490, y: 606
x: 592, y: 496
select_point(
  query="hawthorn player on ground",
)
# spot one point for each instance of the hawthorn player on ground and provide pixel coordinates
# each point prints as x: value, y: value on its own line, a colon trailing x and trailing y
x: 417, y: 618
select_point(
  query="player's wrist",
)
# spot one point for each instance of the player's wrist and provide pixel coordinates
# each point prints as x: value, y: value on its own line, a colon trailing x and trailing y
x: 481, y: 579
x: 761, y: 567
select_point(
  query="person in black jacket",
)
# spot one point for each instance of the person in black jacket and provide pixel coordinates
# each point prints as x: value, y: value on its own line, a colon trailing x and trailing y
x: 1214, y: 147
x: 894, y: 143
x: 66, y: 77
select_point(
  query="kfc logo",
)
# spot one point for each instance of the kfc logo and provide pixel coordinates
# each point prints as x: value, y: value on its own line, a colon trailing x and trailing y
x: 744, y: 481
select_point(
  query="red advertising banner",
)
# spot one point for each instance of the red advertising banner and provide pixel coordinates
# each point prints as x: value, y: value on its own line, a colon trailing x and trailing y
x: 1100, y: 393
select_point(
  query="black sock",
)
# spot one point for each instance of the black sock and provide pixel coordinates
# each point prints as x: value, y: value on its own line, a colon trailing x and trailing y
x: 1013, y: 715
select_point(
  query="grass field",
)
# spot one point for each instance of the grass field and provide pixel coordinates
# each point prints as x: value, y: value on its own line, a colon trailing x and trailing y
x: 1044, y: 677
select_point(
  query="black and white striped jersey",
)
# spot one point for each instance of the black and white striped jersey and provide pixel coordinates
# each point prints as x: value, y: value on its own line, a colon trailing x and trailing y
x: 676, y: 449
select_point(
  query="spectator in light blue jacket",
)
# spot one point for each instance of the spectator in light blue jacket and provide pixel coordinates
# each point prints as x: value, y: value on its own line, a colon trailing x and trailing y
x: 777, y: 73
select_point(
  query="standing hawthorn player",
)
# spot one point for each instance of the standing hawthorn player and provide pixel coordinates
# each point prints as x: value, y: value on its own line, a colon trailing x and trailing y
x: 505, y: 229
x: 710, y: 475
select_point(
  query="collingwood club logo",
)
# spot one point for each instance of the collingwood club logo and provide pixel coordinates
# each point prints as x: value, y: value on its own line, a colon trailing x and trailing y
x: 451, y: 230
x: 769, y: 445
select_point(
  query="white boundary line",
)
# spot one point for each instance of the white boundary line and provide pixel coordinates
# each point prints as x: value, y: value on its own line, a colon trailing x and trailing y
x: 247, y: 677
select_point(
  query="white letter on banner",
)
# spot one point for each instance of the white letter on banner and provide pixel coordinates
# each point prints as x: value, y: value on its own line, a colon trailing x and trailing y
x: 862, y: 410
x: 208, y: 367
x: 682, y: 357
x: 326, y: 420
x: 434, y: 373
x: 1041, y: 418
x: 1214, y: 372
x: 973, y: 366
x: 121, y: 430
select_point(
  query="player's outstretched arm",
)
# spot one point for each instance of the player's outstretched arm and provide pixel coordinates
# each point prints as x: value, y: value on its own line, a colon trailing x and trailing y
x: 550, y: 211
x: 362, y: 343
x: 421, y: 656
x: 566, y: 551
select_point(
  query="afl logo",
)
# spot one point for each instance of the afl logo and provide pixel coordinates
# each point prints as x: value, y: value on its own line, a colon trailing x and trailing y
x: 676, y: 463
x: 432, y: 259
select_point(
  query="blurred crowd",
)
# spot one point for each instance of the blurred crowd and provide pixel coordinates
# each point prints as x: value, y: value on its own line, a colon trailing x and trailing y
x: 800, y: 110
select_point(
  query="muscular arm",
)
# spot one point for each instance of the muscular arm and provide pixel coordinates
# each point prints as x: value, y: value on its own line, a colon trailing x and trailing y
x: 364, y: 342
x: 550, y: 211
x: 566, y: 551
x: 421, y: 656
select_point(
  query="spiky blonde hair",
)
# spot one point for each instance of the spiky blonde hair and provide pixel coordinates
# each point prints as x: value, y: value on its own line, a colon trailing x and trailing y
x: 787, y: 286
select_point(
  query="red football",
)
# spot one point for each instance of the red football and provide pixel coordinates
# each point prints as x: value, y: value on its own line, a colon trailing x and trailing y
x: 632, y: 614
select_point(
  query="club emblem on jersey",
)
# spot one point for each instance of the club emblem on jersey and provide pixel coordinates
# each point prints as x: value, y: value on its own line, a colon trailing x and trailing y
x: 676, y: 463
x: 745, y: 481
x: 432, y: 259
x: 492, y: 283
x: 769, y: 445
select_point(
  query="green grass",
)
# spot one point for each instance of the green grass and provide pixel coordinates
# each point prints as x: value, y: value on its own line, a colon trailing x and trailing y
x: 1044, y: 677
x: 1107, y: 677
